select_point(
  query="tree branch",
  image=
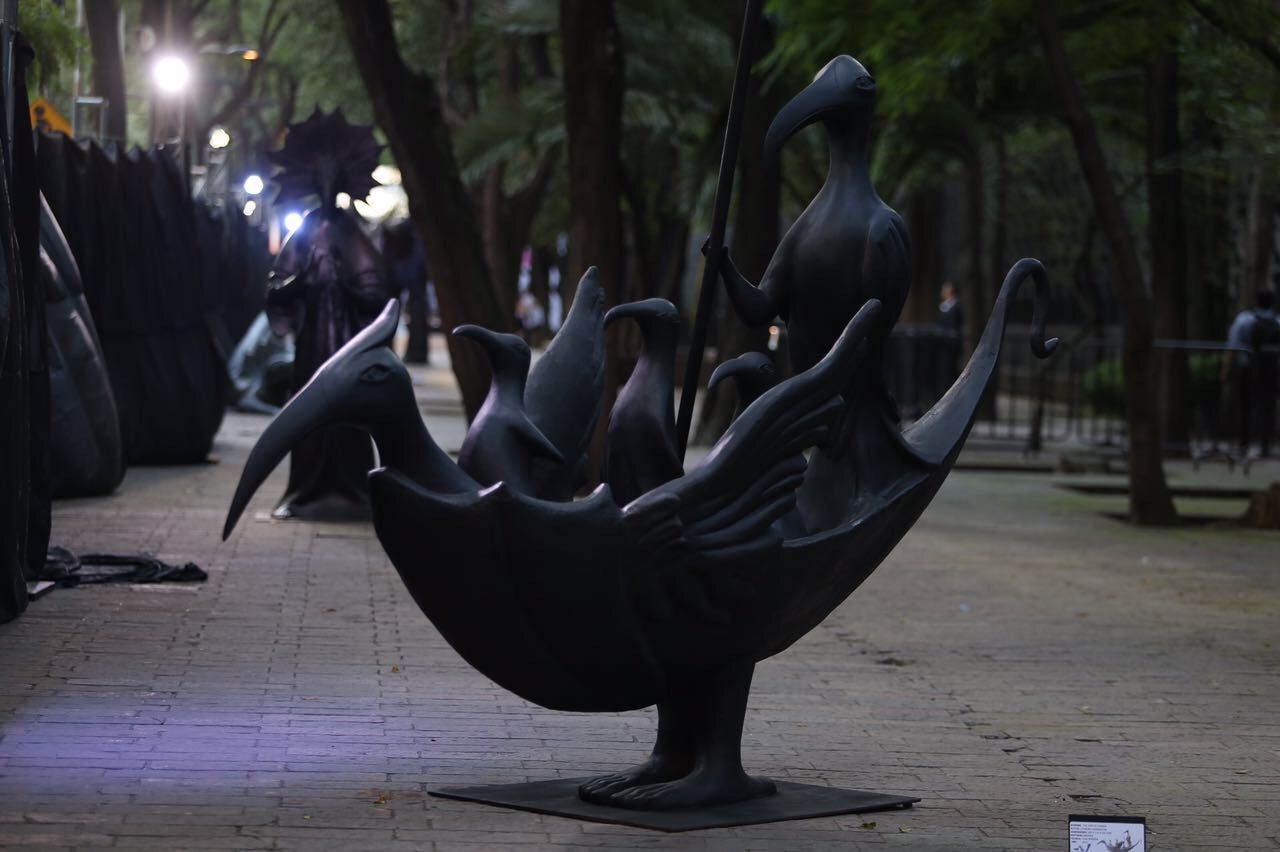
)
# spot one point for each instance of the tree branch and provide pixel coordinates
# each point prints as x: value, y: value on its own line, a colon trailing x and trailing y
x: 243, y: 91
x: 1266, y: 49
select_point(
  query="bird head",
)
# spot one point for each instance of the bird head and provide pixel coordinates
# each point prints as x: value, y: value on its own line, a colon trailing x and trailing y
x: 754, y: 373
x: 364, y: 384
x: 590, y: 293
x: 508, y: 354
x: 842, y: 89
x: 652, y: 315
x: 753, y: 367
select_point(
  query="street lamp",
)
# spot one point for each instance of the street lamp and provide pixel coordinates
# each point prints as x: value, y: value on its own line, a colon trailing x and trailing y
x: 219, y: 138
x: 292, y: 221
x: 172, y: 77
x: 171, y: 74
x: 253, y: 185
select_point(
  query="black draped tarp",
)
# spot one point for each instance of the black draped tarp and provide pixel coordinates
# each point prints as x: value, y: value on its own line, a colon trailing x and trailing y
x: 133, y: 231
x: 235, y: 267
x: 24, y: 381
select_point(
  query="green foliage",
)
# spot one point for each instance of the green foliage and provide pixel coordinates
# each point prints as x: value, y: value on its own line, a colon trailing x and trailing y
x: 1205, y: 385
x: 51, y: 29
x: 1103, y: 388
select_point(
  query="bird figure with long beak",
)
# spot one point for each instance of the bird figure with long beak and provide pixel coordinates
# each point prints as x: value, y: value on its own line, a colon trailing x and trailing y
x: 848, y: 246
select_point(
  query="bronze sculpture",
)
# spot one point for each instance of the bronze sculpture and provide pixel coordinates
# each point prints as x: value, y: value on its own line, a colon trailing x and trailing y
x: 327, y: 283
x: 670, y: 590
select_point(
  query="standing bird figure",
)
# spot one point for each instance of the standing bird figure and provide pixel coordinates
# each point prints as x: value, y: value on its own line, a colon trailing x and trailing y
x: 848, y: 246
x: 642, y: 451
x: 502, y: 444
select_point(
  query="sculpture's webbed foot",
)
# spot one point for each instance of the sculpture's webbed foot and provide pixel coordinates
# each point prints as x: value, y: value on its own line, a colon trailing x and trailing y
x: 700, y: 789
x: 653, y: 771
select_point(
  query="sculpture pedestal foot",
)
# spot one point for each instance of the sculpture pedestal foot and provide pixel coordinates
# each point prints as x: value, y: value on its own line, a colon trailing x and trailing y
x: 791, y: 801
x: 327, y: 508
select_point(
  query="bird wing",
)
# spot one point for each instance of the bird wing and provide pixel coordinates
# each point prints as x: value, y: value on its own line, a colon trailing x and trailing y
x: 886, y: 263
x: 562, y: 396
x: 722, y: 514
x: 540, y: 446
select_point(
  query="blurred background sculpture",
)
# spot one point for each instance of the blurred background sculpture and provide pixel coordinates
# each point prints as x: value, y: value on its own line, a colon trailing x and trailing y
x: 327, y: 283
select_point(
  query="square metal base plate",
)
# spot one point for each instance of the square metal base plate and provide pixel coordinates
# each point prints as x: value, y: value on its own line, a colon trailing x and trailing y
x: 559, y: 797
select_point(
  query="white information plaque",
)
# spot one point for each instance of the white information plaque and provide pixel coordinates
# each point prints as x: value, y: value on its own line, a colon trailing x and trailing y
x: 1107, y: 834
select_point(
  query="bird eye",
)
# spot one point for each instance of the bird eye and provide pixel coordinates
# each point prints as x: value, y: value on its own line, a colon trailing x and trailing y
x: 375, y: 373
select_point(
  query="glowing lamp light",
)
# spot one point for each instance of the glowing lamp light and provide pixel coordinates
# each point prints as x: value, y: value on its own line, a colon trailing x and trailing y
x: 253, y: 184
x: 250, y: 55
x: 250, y: 206
x: 343, y: 200
x: 219, y: 138
x: 292, y: 221
x: 386, y: 175
x: 171, y: 75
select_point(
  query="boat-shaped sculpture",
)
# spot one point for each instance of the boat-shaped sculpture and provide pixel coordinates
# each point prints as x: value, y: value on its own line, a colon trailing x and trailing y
x: 671, y: 599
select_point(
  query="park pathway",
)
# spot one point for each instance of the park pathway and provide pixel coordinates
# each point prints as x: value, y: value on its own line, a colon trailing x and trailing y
x: 1019, y: 658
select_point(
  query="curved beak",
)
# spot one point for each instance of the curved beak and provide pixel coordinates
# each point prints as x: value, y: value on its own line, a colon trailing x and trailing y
x: 836, y: 86
x: 310, y: 409
x: 318, y: 404
x: 481, y: 335
x: 726, y: 370
x: 644, y: 309
x: 748, y: 364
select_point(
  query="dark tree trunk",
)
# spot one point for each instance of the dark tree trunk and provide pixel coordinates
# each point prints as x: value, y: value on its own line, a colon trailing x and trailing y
x: 997, y: 264
x: 925, y: 210
x: 973, y: 297
x: 407, y: 107
x: 506, y: 219
x: 1167, y: 235
x: 591, y: 54
x: 1209, y: 243
x: 502, y: 256
x: 103, y: 19
x: 540, y: 275
x: 1149, y: 500
x: 755, y: 232
x: 1259, y: 240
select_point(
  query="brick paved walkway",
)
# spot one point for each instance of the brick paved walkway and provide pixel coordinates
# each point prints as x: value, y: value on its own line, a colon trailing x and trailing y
x: 1017, y: 659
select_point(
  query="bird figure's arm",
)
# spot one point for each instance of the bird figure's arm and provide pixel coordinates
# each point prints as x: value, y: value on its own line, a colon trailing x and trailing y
x: 755, y: 305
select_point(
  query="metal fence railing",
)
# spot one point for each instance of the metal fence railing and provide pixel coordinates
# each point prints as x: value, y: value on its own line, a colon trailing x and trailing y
x: 1078, y: 395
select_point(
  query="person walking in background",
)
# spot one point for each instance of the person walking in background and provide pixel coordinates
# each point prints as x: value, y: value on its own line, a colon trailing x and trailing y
x: 1251, y: 370
x: 951, y: 323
